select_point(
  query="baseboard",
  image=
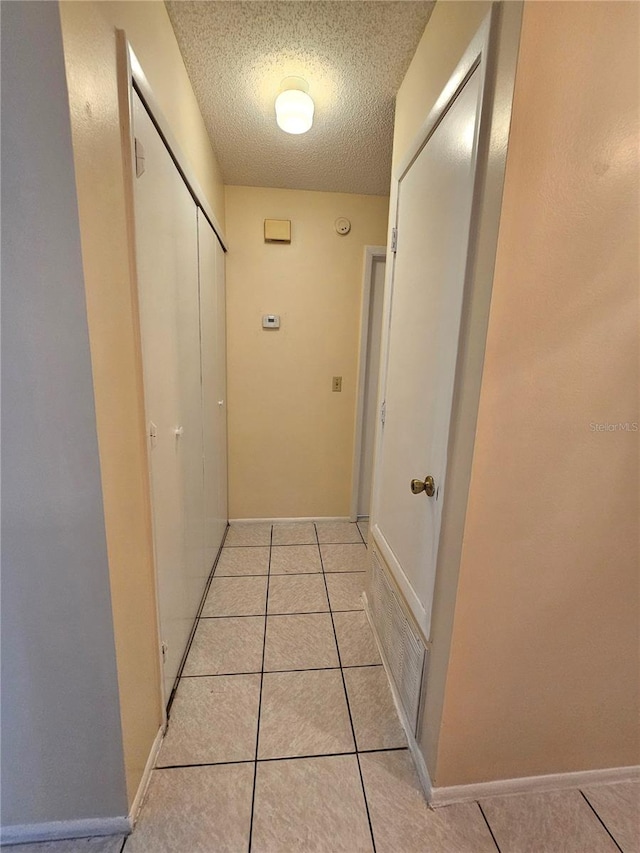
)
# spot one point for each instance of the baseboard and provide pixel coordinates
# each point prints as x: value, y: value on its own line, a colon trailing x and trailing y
x: 59, y: 830
x: 136, y: 805
x: 416, y: 754
x: 446, y: 796
x: 532, y: 784
x: 62, y: 829
x: 288, y: 520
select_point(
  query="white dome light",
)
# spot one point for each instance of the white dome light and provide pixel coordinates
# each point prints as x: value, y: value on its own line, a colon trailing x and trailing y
x: 294, y: 111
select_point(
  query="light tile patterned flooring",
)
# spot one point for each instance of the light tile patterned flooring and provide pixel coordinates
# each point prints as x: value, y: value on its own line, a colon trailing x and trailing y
x: 283, y: 736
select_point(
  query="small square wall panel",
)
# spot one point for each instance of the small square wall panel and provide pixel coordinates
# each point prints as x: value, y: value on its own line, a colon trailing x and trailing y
x: 277, y: 231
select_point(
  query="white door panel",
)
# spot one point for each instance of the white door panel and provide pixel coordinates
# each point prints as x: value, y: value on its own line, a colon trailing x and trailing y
x: 434, y: 210
x: 167, y: 267
x: 214, y: 406
x: 189, y: 371
x: 220, y: 396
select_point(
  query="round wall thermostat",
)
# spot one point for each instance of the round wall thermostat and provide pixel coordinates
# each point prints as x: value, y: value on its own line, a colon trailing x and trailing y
x: 343, y: 226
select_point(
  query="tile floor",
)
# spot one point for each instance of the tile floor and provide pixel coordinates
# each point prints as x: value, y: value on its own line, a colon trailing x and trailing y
x: 283, y: 736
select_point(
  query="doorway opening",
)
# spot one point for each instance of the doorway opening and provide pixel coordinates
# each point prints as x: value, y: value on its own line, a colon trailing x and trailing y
x: 368, y: 373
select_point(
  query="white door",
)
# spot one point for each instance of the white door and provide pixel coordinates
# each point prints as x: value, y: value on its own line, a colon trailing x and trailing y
x: 372, y: 374
x: 190, y: 384
x: 433, y: 221
x: 220, y: 398
x: 167, y: 267
x: 214, y: 381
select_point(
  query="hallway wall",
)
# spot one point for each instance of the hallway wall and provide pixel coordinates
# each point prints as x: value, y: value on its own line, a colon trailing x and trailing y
x: 61, y: 738
x: 543, y: 675
x: 290, y: 437
x: 90, y: 57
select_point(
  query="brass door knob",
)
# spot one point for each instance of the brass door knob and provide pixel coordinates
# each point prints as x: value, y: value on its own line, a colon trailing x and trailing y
x: 428, y: 486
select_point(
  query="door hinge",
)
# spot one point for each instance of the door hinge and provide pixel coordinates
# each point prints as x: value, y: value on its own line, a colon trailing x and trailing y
x: 163, y: 649
x: 394, y: 239
x: 139, y: 150
x: 383, y: 412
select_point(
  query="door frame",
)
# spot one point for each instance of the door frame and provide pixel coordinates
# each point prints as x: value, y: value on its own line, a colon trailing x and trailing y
x: 371, y: 254
x: 480, y: 55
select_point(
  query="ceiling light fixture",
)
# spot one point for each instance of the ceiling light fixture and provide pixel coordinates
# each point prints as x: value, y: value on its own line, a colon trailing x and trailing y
x: 294, y: 106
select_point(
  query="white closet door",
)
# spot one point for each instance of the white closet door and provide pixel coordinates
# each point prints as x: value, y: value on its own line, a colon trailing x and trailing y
x: 221, y: 393
x: 214, y: 382
x: 167, y: 265
x: 189, y: 369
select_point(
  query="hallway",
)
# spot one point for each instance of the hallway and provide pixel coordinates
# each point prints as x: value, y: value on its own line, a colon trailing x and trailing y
x: 283, y: 734
x: 188, y: 301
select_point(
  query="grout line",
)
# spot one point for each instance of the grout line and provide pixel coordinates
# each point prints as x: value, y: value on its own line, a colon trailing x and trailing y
x: 346, y: 572
x: 220, y: 674
x: 280, y: 671
x: 307, y: 669
x: 300, y: 544
x: 334, y: 754
x: 236, y: 616
x: 346, y: 696
x: 321, y: 669
x: 225, y: 577
x: 294, y: 574
x: 297, y: 757
x: 206, y: 764
x: 302, y: 613
x: 307, y: 613
x: 260, y: 760
x: 588, y: 802
x: 383, y: 749
x: 488, y: 826
x: 254, y: 615
x: 281, y: 758
x: 294, y: 613
x: 264, y: 647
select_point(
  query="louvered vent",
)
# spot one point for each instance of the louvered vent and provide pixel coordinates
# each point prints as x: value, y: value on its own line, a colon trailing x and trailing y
x: 403, y: 648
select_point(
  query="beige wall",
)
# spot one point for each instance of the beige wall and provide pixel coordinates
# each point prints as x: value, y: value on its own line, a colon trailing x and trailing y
x: 543, y: 676
x: 151, y: 36
x: 290, y: 437
x: 90, y: 57
x: 451, y: 27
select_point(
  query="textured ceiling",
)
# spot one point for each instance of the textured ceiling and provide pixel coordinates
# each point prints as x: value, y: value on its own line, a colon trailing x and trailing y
x: 353, y: 55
